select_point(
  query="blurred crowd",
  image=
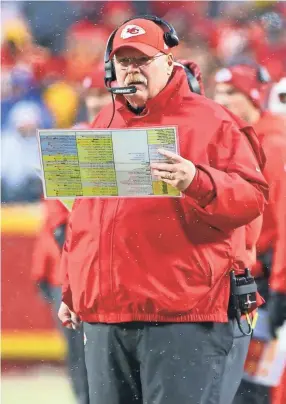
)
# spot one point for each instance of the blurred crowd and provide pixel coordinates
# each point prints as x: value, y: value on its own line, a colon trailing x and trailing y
x: 52, y: 63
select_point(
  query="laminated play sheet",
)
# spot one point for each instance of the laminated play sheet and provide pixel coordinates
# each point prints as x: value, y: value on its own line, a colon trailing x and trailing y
x: 68, y: 203
x: 105, y: 162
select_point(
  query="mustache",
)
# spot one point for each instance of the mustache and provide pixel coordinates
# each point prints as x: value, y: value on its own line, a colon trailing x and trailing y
x: 135, y: 78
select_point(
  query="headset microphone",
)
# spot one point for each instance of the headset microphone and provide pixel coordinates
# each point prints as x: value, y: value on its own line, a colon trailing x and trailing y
x: 122, y: 90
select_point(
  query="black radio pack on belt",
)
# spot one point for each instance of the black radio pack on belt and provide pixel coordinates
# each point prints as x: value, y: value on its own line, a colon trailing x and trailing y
x: 242, y: 297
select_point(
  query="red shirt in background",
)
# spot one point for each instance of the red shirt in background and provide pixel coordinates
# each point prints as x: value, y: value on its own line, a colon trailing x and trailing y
x: 271, y: 130
x: 47, y: 254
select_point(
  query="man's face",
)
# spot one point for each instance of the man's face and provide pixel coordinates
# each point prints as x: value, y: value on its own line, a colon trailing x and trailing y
x: 149, y: 75
x: 228, y: 96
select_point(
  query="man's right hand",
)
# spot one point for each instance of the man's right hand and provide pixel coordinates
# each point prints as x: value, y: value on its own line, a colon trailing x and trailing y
x: 68, y: 318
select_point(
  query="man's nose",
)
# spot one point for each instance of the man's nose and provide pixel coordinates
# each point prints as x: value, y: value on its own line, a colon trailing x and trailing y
x: 132, y: 68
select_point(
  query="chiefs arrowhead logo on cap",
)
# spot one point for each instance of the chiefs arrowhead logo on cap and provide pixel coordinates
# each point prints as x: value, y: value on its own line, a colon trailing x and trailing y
x: 132, y: 30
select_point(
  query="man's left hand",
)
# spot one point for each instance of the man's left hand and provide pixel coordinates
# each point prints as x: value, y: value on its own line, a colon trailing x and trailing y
x: 177, y: 172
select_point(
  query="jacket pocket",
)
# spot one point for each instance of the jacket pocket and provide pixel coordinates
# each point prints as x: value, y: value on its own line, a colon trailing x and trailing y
x: 212, y: 260
x: 200, y: 261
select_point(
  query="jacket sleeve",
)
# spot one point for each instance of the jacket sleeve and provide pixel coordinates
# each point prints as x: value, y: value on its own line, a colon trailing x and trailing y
x: 233, y: 193
x: 275, y: 173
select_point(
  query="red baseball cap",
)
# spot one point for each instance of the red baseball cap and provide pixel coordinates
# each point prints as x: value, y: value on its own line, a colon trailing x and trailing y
x: 143, y: 35
x: 245, y: 79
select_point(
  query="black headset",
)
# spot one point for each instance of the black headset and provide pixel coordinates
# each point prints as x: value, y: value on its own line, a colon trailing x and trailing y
x: 263, y: 74
x: 171, y: 39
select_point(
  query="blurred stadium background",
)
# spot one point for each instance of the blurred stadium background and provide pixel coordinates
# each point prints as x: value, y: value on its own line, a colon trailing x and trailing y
x: 48, y: 48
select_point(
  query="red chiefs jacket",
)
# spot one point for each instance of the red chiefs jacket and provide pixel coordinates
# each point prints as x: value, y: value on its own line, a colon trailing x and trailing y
x: 271, y: 131
x: 153, y: 259
x: 46, y: 254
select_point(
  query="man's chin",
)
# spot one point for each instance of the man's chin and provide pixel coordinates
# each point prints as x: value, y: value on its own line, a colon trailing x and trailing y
x: 139, y: 98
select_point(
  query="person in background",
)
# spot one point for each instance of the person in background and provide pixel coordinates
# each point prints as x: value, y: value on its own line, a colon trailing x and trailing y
x: 62, y: 101
x: 94, y: 92
x: 19, y: 84
x: 85, y: 43
x: 277, y: 98
x: 237, y: 355
x: 240, y: 89
x: 20, y: 155
x: 154, y: 302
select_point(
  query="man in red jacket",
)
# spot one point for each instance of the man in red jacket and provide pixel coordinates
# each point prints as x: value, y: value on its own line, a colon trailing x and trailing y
x: 149, y: 277
x: 240, y: 88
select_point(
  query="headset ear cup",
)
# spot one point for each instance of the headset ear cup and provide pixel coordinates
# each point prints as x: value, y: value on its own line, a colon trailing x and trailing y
x: 263, y: 75
x: 113, y: 74
x: 171, y: 39
x: 109, y: 72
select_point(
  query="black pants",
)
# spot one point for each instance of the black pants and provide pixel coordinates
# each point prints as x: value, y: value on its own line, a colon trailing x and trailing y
x: 157, y: 363
x: 250, y: 393
x: 235, y: 365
